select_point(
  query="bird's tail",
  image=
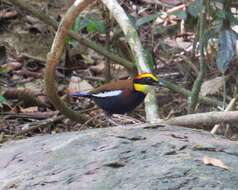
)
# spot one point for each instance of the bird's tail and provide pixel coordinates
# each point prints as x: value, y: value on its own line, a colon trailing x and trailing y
x: 81, y: 94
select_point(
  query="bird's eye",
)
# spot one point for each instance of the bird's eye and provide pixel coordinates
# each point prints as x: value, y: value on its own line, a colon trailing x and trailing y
x: 148, y: 80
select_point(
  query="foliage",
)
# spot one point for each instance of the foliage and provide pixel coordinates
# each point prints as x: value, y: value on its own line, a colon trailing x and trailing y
x: 146, y: 19
x: 89, y: 23
x: 2, y: 100
x: 218, y: 26
x: 195, y: 8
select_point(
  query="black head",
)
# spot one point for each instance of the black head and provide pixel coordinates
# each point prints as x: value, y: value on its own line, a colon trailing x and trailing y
x: 144, y: 82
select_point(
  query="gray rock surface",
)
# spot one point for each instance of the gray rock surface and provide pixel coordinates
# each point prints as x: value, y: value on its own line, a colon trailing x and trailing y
x: 162, y: 158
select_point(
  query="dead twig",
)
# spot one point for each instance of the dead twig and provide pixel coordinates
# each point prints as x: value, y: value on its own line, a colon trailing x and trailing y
x: 39, y: 59
x: 28, y: 96
x: 34, y: 115
x: 48, y: 122
x: 41, y: 125
x: 83, y: 126
x: 26, y: 72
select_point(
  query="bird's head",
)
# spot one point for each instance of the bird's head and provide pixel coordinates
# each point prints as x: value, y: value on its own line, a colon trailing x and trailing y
x: 144, y: 82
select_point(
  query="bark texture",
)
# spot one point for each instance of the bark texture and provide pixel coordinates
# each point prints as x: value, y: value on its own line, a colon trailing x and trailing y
x: 119, y: 158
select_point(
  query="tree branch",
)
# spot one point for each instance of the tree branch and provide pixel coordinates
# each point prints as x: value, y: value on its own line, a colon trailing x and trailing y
x: 54, y: 58
x: 199, y: 119
x: 193, y: 99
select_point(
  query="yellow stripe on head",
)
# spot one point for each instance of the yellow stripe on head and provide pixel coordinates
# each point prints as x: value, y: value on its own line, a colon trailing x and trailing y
x: 147, y: 75
x: 144, y: 82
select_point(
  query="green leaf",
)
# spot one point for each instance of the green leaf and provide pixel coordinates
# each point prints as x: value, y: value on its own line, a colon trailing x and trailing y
x: 96, y: 26
x: 180, y: 14
x: 195, y: 8
x: 91, y: 26
x: 2, y: 99
x: 4, y: 70
x: 77, y: 24
x: 88, y: 22
x: 132, y: 20
x: 67, y: 40
x: 149, y: 58
x: 233, y: 20
x: 159, y: 30
x: 147, y: 19
x: 220, y: 14
x: 76, y: 28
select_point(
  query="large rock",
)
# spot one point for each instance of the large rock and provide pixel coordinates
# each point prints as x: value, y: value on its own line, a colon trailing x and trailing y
x: 163, y: 158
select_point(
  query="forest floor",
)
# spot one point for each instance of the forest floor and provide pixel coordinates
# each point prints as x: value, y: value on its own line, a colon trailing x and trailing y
x: 25, y: 42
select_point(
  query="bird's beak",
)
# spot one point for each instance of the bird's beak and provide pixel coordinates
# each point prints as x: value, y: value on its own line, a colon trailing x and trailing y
x: 159, y: 83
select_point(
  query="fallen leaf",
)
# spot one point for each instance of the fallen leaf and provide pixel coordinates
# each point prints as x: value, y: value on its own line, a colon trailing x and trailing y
x: 76, y: 84
x: 178, y: 43
x: 211, y: 87
x: 7, y: 14
x: 214, y: 162
x: 29, y: 109
x: 98, y: 69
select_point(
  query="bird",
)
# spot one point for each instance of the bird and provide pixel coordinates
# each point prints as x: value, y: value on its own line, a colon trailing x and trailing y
x: 121, y: 96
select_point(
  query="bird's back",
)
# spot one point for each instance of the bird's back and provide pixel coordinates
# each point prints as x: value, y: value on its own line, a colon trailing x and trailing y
x: 117, y: 96
x: 114, y: 85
